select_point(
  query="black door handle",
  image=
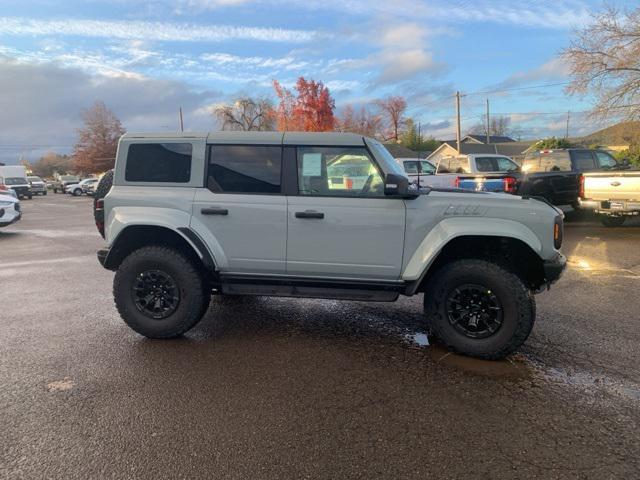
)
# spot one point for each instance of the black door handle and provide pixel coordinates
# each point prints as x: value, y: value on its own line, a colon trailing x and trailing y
x: 309, y: 214
x: 214, y: 211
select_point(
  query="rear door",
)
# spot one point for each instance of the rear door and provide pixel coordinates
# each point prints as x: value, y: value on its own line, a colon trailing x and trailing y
x: 243, y: 208
x: 355, y: 232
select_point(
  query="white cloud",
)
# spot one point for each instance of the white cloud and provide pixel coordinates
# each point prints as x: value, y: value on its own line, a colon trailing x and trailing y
x: 141, y: 30
x: 560, y: 14
x: 46, y: 102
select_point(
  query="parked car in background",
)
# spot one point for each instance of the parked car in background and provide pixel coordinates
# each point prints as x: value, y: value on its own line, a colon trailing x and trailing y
x: 417, y: 169
x: 38, y: 186
x: 556, y: 174
x: 10, y: 211
x: 77, y: 189
x: 4, y: 190
x: 15, y: 178
x: 61, y: 182
x: 478, y: 172
x: 614, y: 196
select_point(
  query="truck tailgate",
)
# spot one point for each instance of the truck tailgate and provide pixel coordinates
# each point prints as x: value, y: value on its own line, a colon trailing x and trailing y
x: 612, y: 186
x: 482, y: 183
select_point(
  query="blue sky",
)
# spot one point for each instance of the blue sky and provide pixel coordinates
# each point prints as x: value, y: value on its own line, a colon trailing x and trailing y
x: 146, y: 59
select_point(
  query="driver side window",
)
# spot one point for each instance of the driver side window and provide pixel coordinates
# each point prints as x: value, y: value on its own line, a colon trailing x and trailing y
x: 338, y: 172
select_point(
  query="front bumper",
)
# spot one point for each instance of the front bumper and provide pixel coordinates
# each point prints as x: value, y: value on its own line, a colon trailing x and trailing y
x: 6, y: 220
x: 554, y: 268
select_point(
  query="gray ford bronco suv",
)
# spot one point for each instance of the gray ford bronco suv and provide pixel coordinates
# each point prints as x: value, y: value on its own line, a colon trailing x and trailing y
x: 323, y: 215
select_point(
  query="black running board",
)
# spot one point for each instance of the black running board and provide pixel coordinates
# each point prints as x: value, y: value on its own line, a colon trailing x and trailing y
x: 306, y: 288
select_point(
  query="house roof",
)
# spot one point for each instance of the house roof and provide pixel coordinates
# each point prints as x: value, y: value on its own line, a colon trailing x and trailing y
x: 510, y: 149
x: 492, y: 138
x: 400, y: 151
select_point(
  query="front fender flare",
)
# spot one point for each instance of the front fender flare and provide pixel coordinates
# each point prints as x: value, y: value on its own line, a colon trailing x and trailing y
x: 451, y: 228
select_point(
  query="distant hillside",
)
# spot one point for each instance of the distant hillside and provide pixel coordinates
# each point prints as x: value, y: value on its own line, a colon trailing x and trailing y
x: 620, y: 134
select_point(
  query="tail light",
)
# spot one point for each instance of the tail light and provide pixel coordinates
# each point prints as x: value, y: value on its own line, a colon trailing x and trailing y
x: 510, y: 185
x: 99, y: 214
x: 349, y: 183
x: 457, y: 182
x: 581, y: 186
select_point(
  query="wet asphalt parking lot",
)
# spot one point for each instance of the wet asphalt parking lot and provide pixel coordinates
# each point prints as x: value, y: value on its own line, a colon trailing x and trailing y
x: 287, y: 388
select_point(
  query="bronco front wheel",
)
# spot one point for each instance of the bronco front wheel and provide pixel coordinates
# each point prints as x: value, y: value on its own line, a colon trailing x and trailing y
x: 159, y: 293
x: 478, y: 308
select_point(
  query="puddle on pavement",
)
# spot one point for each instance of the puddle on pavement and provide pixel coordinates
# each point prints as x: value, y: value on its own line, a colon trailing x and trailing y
x: 513, y: 368
x: 418, y: 338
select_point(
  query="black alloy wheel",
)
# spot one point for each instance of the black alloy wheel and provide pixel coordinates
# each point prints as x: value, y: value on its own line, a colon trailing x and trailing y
x: 474, y: 311
x: 155, y: 294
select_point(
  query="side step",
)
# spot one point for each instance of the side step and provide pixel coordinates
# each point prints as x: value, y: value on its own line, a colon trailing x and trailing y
x: 305, y: 288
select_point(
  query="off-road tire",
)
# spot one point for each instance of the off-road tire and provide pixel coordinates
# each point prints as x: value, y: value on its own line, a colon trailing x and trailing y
x: 611, y: 222
x: 194, y: 292
x: 518, y: 307
x: 104, y: 185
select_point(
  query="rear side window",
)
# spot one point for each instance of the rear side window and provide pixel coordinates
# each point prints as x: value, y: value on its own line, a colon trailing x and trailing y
x: 558, y: 161
x: 583, y: 160
x: 245, y: 169
x: 159, y: 162
x: 457, y: 165
x: 411, y: 167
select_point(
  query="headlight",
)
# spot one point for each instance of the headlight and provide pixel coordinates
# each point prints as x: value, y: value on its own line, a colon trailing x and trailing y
x: 5, y: 204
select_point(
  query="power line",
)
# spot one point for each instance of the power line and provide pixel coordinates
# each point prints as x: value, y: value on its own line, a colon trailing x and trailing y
x: 518, y: 88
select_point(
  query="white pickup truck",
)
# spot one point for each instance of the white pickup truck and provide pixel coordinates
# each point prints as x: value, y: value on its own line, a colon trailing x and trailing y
x: 612, y: 195
x: 480, y: 172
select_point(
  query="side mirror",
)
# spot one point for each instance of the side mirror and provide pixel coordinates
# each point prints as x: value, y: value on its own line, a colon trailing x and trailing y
x: 398, y: 186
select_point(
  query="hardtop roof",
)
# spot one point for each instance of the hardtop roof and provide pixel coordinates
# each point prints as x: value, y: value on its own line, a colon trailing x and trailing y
x: 258, y: 138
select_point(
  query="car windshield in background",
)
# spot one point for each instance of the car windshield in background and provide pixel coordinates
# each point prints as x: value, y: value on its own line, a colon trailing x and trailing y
x: 69, y: 178
x: 558, y: 161
x: 34, y: 179
x: 15, y: 181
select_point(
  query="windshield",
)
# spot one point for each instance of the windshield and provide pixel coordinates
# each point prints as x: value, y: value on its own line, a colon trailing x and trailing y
x: 15, y: 181
x: 34, y: 179
x: 390, y: 163
x: 69, y: 178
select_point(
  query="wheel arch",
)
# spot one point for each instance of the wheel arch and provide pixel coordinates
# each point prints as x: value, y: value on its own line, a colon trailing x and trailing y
x: 511, y: 252
x: 133, y: 237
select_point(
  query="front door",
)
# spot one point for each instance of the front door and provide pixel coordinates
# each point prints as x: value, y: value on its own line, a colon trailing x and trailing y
x: 343, y: 229
x: 243, y: 210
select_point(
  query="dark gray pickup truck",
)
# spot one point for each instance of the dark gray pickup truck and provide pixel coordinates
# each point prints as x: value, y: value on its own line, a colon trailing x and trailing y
x: 556, y: 174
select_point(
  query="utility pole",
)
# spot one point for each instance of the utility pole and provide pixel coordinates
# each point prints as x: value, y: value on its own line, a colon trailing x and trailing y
x: 566, y: 136
x: 488, y: 125
x: 181, y: 122
x: 458, y: 121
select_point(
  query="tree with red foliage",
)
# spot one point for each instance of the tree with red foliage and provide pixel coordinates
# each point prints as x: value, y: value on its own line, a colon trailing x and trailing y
x: 311, y: 110
x: 95, y: 150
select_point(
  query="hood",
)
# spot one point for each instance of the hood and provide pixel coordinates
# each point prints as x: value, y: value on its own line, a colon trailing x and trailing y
x: 4, y: 197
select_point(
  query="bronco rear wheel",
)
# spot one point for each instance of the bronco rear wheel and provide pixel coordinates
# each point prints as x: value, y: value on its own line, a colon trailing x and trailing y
x: 478, y: 308
x: 159, y: 293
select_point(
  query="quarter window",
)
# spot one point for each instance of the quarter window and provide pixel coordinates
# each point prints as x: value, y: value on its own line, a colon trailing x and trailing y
x: 245, y: 169
x: 338, y: 172
x: 159, y: 162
